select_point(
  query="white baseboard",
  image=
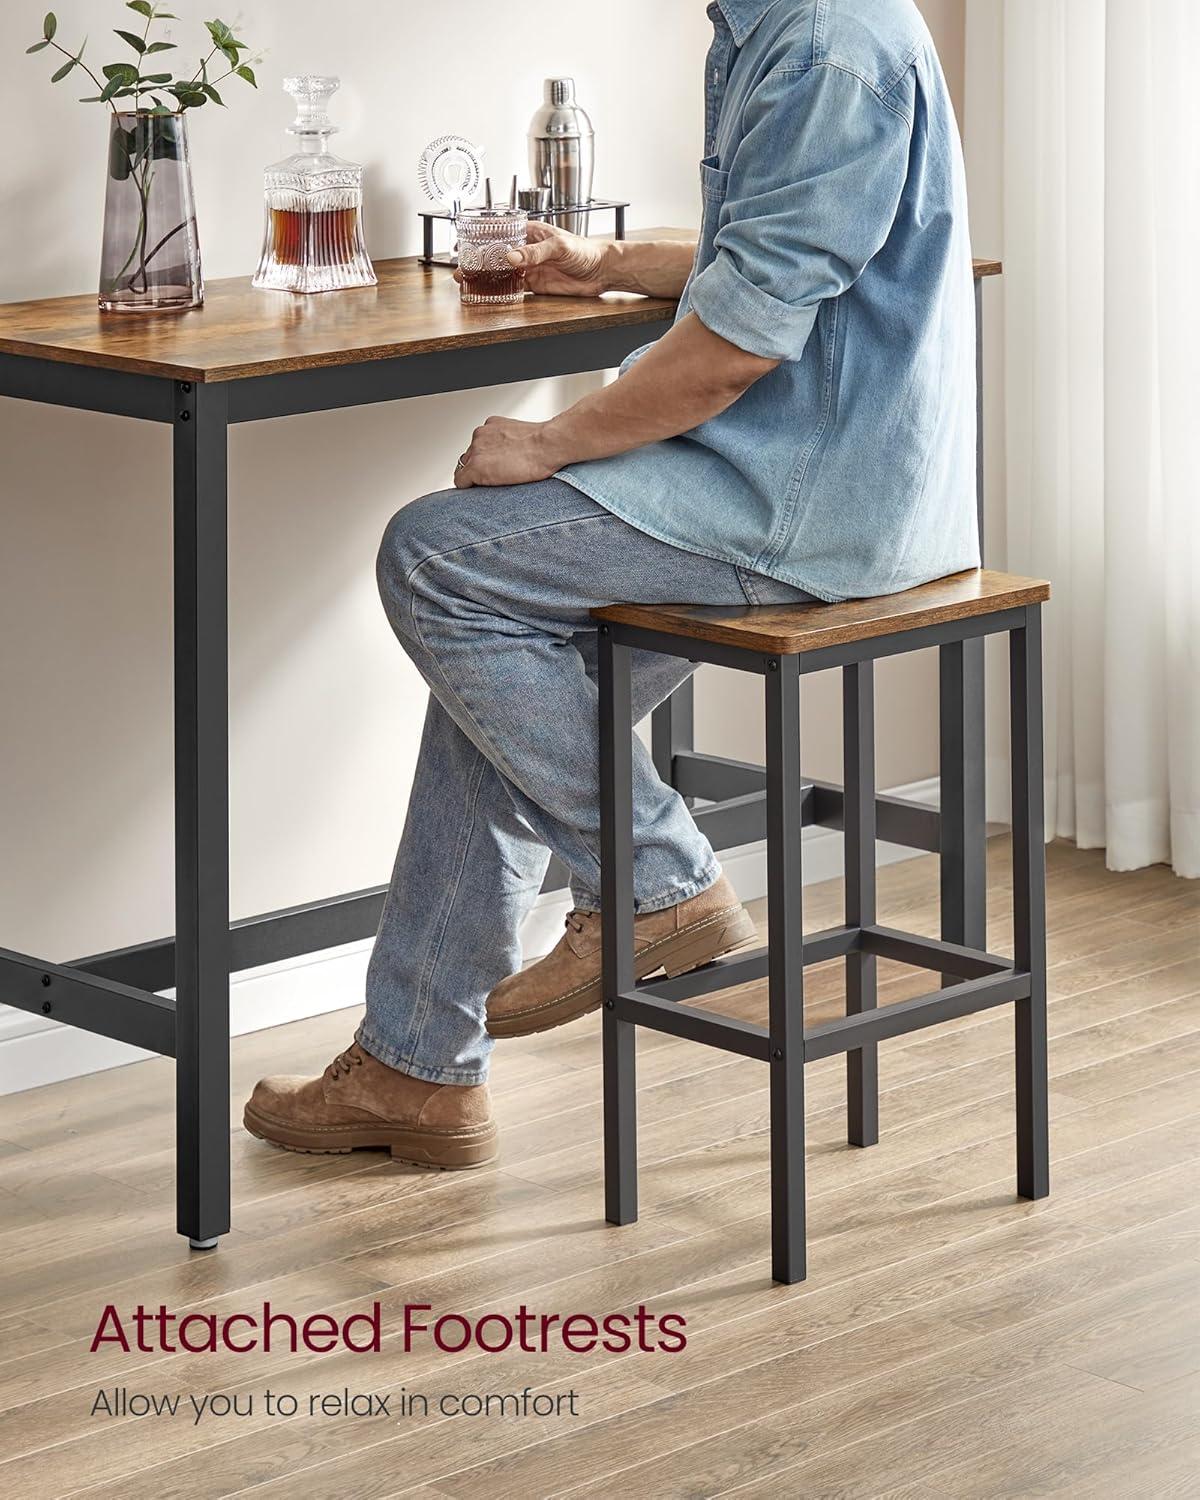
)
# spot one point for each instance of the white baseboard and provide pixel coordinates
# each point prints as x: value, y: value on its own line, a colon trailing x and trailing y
x: 35, y: 1051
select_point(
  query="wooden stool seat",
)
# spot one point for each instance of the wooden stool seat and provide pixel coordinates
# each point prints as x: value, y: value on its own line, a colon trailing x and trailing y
x: 793, y: 629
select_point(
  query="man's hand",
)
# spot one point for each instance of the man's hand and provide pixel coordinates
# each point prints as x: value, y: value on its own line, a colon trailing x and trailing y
x: 560, y: 264
x: 504, y: 451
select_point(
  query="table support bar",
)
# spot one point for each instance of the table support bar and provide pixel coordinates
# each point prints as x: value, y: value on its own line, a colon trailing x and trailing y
x: 97, y: 1005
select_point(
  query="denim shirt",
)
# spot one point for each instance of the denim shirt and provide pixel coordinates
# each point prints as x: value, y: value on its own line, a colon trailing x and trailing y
x: 834, y: 238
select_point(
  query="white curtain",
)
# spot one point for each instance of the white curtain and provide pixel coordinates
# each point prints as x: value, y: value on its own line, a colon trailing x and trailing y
x: 1101, y: 188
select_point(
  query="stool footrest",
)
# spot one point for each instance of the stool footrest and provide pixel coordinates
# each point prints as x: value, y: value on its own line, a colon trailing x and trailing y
x: 695, y: 1025
x: 744, y: 968
x: 852, y: 1032
x: 932, y: 953
x: 847, y: 1034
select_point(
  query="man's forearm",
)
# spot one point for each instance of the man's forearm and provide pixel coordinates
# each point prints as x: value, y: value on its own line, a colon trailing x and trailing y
x: 656, y: 268
x: 689, y: 377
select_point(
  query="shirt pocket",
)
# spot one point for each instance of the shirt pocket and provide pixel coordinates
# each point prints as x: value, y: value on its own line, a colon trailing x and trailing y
x: 714, y: 188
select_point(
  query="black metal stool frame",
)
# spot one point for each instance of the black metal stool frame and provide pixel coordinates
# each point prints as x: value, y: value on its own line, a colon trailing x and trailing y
x: 974, y: 979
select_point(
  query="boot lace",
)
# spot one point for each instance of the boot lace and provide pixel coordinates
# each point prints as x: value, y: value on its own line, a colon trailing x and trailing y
x: 344, y: 1062
x: 577, y: 920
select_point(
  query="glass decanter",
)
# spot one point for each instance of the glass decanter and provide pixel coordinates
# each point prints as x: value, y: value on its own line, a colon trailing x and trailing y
x: 313, y: 241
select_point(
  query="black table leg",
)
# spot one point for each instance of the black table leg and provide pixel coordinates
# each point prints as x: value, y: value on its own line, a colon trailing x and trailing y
x: 202, y: 813
x: 785, y: 981
x: 862, y: 987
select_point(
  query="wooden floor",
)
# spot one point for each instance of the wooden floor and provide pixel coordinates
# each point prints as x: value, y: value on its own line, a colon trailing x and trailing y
x: 951, y: 1340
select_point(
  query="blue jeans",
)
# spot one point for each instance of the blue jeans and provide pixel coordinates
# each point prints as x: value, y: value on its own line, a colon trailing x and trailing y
x: 489, y: 592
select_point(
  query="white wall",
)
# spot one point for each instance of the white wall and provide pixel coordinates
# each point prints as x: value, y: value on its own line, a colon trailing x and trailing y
x: 325, y: 710
x: 947, y: 22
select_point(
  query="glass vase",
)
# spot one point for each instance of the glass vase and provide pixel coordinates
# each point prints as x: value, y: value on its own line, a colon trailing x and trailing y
x: 150, y: 260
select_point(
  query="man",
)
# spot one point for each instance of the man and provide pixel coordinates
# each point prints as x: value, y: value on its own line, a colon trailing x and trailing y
x: 806, y: 430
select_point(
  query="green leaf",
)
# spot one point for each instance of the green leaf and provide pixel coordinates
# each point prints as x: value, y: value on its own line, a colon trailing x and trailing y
x: 220, y: 33
x: 141, y: 142
x: 213, y: 95
x: 123, y: 72
x: 109, y: 90
x: 189, y: 97
x: 63, y: 71
x: 247, y: 74
x: 49, y: 25
x: 91, y: 99
x: 152, y: 78
x: 143, y: 8
x: 161, y: 47
x: 164, y: 140
x: 231, y: 55
x: 134, y: 41
x: 37, y: 47
x: 119, y: 164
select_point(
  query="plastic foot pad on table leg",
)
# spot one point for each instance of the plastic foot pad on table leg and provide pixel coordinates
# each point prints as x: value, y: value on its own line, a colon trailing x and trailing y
x: 203, y: 1244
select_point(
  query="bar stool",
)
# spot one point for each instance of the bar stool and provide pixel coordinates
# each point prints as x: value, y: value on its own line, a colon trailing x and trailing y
x: 783, y: 644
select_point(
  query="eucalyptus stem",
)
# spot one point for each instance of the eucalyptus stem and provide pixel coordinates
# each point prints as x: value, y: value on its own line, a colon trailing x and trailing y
x: 144, y: 182
x: 204, y: 62
x: 139, y: 235
x: 79, y: 63
x: 137, y: 98
x: 170, y: 235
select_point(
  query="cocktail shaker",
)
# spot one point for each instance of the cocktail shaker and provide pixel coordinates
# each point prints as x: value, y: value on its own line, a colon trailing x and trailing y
x: 562, y: 153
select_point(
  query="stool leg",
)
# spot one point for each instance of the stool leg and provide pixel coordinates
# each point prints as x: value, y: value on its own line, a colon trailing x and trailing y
x: 786, y: 969
x: 672, y: 729
x: 963, y: 813
x: 616, y: 901
x: 858, y: 739
x: 1029, y: 907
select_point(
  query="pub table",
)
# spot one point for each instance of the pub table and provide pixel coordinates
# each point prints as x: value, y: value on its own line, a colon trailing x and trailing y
x: 248, y: 356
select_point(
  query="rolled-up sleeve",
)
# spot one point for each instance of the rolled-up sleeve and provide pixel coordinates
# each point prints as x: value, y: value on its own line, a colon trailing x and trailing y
x: 812, y: 192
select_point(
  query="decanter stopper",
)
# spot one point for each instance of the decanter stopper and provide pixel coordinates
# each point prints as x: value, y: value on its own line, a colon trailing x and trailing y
x: 312, y: 93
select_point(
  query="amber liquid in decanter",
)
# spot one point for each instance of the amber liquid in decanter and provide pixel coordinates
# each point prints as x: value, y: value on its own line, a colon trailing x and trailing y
x: 324, y: 237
